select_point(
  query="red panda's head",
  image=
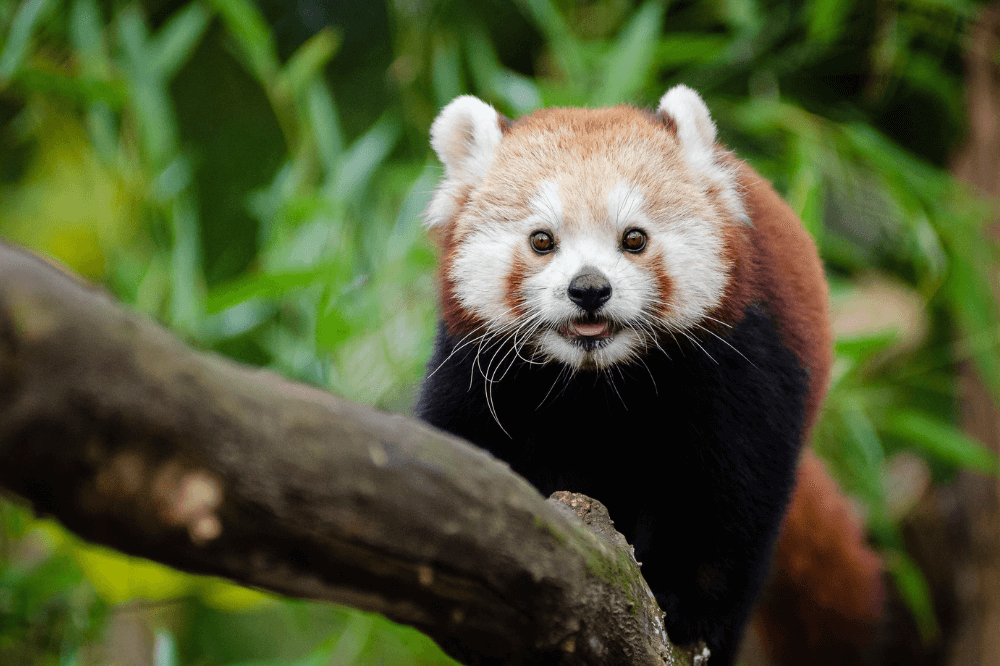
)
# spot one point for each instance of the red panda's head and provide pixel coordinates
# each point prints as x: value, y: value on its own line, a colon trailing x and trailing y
x: 586, y: 235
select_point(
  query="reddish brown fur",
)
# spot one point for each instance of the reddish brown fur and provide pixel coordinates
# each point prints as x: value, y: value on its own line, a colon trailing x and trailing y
x: 744, y: 283
x: 515, y: 278
x: 664, y: 286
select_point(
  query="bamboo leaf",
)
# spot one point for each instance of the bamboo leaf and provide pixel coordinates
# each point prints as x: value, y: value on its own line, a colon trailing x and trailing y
x: 325, y: 121
x: 913, y: 587
x: 940, y: 440
x: 864, y: 452
x: 366, y: 155
x: 87, y: 32
x: 308, y: 61
x: 245, y: 22
x: 18, y: 40
x: 631, y: 61
x: 827, y: 19
x: 565, y: 46
x: 175, y: 41
x: 446, y: 72
x: 272, y: 285
x: 676, y: 49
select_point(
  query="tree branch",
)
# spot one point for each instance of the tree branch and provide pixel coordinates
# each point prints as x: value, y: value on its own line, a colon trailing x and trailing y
x: 132, y: 440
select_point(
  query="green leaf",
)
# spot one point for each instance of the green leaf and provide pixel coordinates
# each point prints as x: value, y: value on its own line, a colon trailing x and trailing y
x: 325, y: 121
x: 517, y: 92
x: 176, y: 177
x: 806, y: 192
x: 446, y: 71
x: 827, y: 19
x: 274, y: 285
x: 970, y: 296
x: 133, y: 35
x: 187, y: 297
x: 175, y: 41
x: 102, y: 130
x: 565, y: 48
x: 19, y: 39
x: 863, y: 348
x: 366, y: 155
x: 631, y: 61
x: 82, y: 89
x: 308, y: 61
x: 914, y: 589
x: 676, y: 49
x: 745, y: 16
x: 863, y: 451
x: 247, y: 25
x: 86, y: 31
x: 357, y: 634
x: 910, y: 173
x: 150, y: 98
x: 940, y: 440
x: 404, y: 235
x: 332, y: 329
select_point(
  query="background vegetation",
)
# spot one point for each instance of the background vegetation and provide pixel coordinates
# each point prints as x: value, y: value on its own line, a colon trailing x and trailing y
x: 252, y: 175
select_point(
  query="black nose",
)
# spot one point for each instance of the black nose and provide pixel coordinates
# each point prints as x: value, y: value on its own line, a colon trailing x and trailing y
x: 590, y: 290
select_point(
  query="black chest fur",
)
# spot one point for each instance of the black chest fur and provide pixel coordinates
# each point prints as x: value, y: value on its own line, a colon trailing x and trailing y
x: 693, y: 450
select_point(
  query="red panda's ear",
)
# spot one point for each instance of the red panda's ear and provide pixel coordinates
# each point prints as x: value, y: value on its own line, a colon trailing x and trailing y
x: 465, y: 136
x: 696, y: 135
x: 695, y: 129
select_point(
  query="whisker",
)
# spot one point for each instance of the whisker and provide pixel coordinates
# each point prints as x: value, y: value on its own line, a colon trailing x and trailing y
x: 651, y: 377
x: 728, y: 344
x: 611, y: 380
x: 698, y: 345
x: 454, y: 349
x: 718, y: 321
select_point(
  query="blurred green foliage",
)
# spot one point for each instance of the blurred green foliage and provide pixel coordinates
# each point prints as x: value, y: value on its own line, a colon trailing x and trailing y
x: 252, y: 174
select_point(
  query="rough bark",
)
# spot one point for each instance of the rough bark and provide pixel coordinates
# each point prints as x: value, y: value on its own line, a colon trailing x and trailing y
x: 112, y: 425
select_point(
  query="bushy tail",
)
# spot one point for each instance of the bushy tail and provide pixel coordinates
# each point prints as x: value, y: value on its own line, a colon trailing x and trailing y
x: 827, y: 598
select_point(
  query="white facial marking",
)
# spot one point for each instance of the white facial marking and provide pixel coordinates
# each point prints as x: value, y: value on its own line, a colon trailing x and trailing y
x: 692, y: 252
x: 479, y: 273
x: 625, y: 207
x: 546, y: 206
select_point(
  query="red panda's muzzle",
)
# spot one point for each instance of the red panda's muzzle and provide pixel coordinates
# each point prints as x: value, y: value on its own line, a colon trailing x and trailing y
x: 590, y: 333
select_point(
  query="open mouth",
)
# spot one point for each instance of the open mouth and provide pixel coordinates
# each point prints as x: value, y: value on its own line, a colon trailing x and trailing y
x: 588, y: 332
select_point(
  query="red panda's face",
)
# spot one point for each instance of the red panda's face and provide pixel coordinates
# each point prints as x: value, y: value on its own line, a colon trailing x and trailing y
x: 585, y: 236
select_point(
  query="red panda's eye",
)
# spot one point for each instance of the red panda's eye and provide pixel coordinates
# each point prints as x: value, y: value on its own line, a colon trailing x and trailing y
x: 634, y: 240
x: 542, y: 242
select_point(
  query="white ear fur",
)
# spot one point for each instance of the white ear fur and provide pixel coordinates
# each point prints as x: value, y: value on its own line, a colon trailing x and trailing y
x: 695, y: 128
x: 696, y: 134
x: 465, y: 136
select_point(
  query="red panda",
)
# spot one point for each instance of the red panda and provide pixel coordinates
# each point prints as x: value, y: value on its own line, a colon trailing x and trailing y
x: 632, y: 313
